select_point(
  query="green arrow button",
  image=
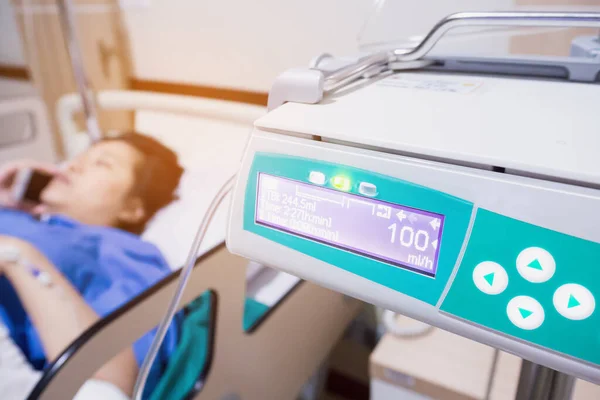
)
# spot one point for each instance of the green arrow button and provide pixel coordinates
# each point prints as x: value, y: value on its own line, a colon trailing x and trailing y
x: 535, y: 264
x: 573, y: 302
x: 525, y: 313
x: 489, y: 278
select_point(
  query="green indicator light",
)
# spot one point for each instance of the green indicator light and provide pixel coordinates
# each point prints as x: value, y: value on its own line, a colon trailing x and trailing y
x: 341, y: 183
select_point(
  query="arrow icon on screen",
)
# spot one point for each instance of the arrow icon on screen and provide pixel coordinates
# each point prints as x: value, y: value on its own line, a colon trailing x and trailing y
x: 412, y: 218
x: 400, y: 214
x: 434, y: 244
x: 435, y: 224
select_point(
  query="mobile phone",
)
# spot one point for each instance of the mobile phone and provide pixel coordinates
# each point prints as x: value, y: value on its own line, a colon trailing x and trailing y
x: 29, y: 184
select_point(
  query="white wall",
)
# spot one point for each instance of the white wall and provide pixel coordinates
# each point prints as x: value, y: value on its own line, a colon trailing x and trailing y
x: 238, y: 43
x: 11, y: 52
x: 15, y: 88
x: 246, y: 44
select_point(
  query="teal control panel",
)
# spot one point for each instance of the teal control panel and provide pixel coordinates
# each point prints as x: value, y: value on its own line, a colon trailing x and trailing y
x: 477, y: 266
x: 531, y: 283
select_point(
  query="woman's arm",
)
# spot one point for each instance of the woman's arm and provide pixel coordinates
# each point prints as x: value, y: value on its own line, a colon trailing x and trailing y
x: 59, y: 313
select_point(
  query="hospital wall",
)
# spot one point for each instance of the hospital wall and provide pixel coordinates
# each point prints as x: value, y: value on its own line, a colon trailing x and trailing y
x: 246, y: 44
x: 11, y: 51
x: 236, y: 44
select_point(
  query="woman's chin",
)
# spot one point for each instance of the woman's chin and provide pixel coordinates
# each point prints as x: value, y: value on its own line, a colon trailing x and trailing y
x: 52, y: 199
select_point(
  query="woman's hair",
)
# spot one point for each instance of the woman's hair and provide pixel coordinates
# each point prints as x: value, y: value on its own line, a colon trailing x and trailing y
x: 156, y: 179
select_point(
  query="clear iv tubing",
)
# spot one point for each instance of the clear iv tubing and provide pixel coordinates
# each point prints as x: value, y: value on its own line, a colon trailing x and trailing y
x: 140, y: 383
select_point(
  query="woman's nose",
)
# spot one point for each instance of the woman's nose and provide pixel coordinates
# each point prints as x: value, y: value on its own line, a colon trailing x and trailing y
x: 75, y: 166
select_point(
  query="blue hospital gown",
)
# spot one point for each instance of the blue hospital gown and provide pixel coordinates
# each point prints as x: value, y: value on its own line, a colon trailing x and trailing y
x: 108, y: 267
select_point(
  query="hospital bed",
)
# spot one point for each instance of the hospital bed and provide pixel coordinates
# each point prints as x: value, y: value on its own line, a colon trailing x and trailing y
x: 303, y: 321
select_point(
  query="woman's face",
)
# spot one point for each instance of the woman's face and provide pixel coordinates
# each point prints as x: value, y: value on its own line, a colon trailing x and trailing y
x: 97, y: 186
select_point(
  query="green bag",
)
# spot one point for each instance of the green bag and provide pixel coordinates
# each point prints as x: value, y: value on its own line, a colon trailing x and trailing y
x: 189, y: 358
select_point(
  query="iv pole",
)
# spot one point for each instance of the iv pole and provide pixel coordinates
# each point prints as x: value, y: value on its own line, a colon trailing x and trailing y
x: 541, y: 383
x: 67, y: 22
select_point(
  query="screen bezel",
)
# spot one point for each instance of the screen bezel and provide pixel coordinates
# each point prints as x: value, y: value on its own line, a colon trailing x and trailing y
x: 367, y: 255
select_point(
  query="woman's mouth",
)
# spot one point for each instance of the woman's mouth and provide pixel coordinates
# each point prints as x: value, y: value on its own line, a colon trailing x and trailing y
x: 62, y: 178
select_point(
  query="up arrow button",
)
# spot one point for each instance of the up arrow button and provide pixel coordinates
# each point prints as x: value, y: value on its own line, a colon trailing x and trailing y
x: 536, y: 265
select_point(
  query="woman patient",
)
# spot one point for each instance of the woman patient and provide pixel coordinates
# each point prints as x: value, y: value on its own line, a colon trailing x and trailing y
x: 79, y: 253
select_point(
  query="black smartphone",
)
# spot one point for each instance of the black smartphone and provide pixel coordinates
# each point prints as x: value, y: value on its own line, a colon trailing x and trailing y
x: 29, y: 184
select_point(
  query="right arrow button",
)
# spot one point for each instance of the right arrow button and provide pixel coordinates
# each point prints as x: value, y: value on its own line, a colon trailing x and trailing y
x: 574, y: 301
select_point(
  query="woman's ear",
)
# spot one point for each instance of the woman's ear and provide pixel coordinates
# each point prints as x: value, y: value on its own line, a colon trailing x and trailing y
x: 133, y: 211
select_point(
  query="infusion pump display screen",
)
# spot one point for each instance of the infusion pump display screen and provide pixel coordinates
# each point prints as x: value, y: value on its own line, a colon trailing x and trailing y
x: 390, y: 233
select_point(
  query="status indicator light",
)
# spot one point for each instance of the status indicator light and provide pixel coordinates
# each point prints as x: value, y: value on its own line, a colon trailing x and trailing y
x: 316, y: 177
x: 367, y: 189
x: 341, y: 183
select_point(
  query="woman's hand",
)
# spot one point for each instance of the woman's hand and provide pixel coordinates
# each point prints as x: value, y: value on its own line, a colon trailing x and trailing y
x: 8, y: 173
